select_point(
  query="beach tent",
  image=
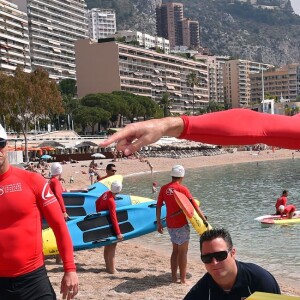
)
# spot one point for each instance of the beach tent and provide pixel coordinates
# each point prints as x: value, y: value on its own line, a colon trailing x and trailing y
x: 52, y: 144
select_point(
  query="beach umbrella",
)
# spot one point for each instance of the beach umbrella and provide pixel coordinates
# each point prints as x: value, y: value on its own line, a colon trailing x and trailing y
x: 98, y: 155
x: 46, y: 156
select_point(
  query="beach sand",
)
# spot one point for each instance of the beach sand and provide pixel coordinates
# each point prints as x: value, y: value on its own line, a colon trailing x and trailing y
x: 144, y: 273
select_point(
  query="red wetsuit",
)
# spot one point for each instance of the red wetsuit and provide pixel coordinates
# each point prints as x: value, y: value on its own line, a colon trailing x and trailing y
x: 243, y: 127
x: 107, y: 202
x: 287, y: 208
x: 58, y: 189
x: 24, y: 197
x: 174, y: 218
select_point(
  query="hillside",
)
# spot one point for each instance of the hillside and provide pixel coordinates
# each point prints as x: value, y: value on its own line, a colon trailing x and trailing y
x: 266, y: 30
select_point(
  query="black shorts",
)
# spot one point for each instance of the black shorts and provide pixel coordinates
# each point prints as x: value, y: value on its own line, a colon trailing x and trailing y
x: 32, y: 286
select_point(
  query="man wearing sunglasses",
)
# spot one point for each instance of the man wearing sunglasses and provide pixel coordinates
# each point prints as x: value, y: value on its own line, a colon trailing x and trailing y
x: 24, y: 197
x: 227, y: 278
x: 110, y: 171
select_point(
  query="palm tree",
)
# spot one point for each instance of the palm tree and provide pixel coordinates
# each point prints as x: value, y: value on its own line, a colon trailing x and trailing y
x: 192, y: 81
x: 166, y: 103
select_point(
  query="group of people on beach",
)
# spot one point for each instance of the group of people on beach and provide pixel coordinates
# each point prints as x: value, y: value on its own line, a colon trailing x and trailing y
x: 26, y: 196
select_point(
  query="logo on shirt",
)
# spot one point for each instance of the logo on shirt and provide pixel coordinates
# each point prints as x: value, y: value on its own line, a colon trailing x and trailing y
x: 10, y: 188
x: 105, y: 197
x: 169, y: 191
x: 47, y: 195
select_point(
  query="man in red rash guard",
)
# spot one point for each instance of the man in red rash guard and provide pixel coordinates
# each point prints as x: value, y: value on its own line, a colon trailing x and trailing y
x: 107, y: 202
x: 177, y: 224
x: 24, y: 197
x: 282, y: 208
x: 231, y: 127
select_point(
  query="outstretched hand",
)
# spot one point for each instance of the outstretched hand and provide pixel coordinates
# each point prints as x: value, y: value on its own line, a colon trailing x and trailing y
x: 136, y: 135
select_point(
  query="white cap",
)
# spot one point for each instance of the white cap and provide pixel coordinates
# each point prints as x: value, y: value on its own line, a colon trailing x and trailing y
x: 281, y: 208
x: 177, y: 171
x: 3, y: 134
x: 116, y: 187
x: 56, y: 168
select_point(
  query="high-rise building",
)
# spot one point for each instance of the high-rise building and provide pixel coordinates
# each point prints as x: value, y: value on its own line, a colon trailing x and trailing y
x: 171, y: 24
x: 116, y: 66
x: 14, y: 38
x: 168, y: 22
x: 215, y: 66
x: 237, y: 86
x: 54, y: 26
x: 101, y: 23
x: 190, y: 33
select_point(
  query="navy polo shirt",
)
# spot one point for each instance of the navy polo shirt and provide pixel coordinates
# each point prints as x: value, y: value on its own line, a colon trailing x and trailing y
x: 250, y: 278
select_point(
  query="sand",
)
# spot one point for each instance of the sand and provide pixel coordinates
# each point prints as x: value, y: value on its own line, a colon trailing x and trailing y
x: 144, y: 273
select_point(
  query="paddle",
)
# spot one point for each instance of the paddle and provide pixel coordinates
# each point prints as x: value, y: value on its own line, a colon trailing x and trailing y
x: 90, y: 189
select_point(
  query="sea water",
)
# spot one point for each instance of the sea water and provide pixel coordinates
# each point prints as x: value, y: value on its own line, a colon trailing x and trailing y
x: 232, y: 196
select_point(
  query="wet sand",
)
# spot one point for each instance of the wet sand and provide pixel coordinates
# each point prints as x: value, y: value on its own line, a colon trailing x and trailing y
x: 144, y: 273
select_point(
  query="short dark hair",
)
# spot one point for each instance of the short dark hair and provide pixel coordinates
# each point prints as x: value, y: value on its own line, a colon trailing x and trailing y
x: 110, y: 166
x: 215, y: 233
x: 284, y: 192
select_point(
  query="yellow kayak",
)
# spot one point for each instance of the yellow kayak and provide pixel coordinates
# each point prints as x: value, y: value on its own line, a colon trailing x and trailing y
x: 268, y: 296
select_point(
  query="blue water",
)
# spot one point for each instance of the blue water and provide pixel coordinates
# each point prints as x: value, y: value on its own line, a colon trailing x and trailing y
x: 232, y: 196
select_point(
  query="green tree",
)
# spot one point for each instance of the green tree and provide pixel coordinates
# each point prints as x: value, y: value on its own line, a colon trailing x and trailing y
x: 109, y: 102
x: 68, y: 91
x: 28, y: 96
x: 192, y: 81
x: 166, y: 103
x: 90, y: 116
x: 214, y: 106
x: 139, y: 106
x: 68, y: 87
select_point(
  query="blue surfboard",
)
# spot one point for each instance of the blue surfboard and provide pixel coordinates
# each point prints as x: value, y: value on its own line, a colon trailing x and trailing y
x: 96, y: 230
x: 82, y: 204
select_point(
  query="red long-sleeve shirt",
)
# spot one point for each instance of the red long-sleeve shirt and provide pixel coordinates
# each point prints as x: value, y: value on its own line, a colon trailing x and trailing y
x: 58, y: 189
x: 175, y: 218
x: 107, y: 202
x: 243, y: 127
x: 24, y: 197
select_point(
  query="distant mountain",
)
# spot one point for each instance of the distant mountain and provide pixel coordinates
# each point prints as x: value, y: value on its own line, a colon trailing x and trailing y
x: 259, y: 30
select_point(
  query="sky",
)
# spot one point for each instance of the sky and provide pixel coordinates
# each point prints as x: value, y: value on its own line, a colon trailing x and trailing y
x: 296, y: 6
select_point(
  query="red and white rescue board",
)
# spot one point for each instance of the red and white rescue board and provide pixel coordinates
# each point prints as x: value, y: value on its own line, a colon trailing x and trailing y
x: 280, y: 221
x: 190, y: 210
x: 297, y: 214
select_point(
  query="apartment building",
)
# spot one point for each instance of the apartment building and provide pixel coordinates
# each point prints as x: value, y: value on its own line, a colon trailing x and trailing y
x: 282, y: 83
x: 215, y: 75
x: 101, y: 23
x: 14, y: 38
x: 54, y: 26
x: 106, y: 66
x: 237, y: 85
x: 145, y: 40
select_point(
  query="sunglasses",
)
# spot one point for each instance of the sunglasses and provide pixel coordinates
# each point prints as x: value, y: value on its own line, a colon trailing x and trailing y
x: 3, y: 144
x: 113, y: 170
x: 218, y: 256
